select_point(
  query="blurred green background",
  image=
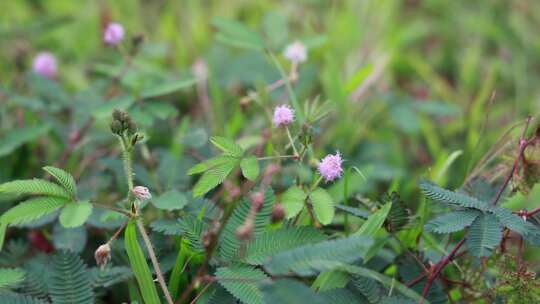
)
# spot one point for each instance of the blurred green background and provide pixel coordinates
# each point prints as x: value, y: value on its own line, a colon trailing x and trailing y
x: 411, y: 83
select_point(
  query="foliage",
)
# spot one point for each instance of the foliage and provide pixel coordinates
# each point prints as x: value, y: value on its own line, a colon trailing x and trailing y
x: 416, y: 98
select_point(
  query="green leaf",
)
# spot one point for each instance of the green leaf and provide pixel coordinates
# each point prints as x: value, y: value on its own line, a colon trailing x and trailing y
x: 484, y: 235
x: 65, y: 179
x: 331, y: 279
x: 274, y: 241
x: 32, y: 210
x: 236, y: 34
x: 354, y: 211
x: 211, y: 163
x: 34, y: 187
x: 453, y: 221
x: 192, y: 229
x: 19, y: 136
x: 448, y: 197
x: 230, y: 244
x: 289, y: 291
x: 228, y: 146
x: 213, y: 177
x: 242, y: 282
x: 107, y: 277
x: 14, y: 298
x: 374, y: 221
x: 323, y: 206
x: 75, y: 214
x: 513, y: 222
x: 139, y: 265
x: 167, y: 226
x: 250, y: 167
x: 310, y: 259
x: 381, y: 278
x: 11, y: 277
x: 69, y: 280
x: 170, y: 200
x: 293, y: 201
x: 168, y: 88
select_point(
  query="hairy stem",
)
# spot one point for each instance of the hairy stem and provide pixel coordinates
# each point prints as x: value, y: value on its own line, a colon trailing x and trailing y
x: 154, y: 260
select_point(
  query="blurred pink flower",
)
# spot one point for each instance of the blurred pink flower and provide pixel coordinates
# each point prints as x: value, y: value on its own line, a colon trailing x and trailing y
x: 114, y: 34
x: 142, y: 193
x: 330, y: 167
x: 283, y: 116
x: 44, y: 64
x: 296, y: 52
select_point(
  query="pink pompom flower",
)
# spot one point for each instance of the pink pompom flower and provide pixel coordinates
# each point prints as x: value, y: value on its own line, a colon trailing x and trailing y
x: 283, y: 116
x: 114, y: 34
x: 44, y: 64
x: 330, y: 167
x: 296, y: 52
x: 142, y: 193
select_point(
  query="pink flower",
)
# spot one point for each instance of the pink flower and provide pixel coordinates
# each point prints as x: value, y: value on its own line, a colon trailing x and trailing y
x: 142, y: 193
x: 114, y: 34
x: 44, y: 64
x: 296, y: 52
x: 283, y: 116
x: 330, y: 167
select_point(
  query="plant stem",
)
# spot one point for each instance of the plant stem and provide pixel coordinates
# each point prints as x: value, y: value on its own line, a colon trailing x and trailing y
x: 291, y: 141
x: 439, y: 267
x: 154, y: 260
x: 113, y: 209
x: 126, y: 157
x: 276, y: 157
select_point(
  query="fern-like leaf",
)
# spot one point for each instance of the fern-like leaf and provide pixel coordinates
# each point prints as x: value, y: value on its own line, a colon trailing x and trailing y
x: 65, y: 179
x: 369, y: 288
x: 192, y: 229
x: 213, y: 177
x: 310, y: 259
x: 274, y: 241
x: 11, y: 277
x: 13, y: 298
x: 242, y: 282
x: 230, y: 244
x: 453, y: 221
x: 109, y: 276
x: 342, y: 296
x: 451, y: 198
x: 32, y: 210
x: 69, y: 281
x: 166, y: 226
x: 485, y: 233
x: 513, y: 222
x: 291, y: 291
x: 34, y: 187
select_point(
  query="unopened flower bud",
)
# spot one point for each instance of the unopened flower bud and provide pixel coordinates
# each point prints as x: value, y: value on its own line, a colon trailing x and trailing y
x: 245, y: 232
x: 117, y: 114
x: 278, y: 213
x: 131, y: 127
x: 142, y: 193
x: 103, y: 254
x: 257, y: 200
x: 116, y: 127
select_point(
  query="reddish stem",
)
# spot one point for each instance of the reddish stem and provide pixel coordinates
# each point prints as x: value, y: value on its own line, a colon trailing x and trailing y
x: 439, y: 267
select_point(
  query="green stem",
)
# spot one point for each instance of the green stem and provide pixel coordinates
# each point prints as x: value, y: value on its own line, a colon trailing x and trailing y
x: 128, y: 167
x: 175, y: 280
x: 292, y: 142
x: 154, y: 260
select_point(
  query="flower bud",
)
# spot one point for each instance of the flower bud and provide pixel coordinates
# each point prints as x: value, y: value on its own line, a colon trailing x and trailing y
x: 278, y: 213
x: 117, y: 115
x: 142, y: 193
x: 245, y: 232
x: 257, y: 201
x: 116, y: 127
x: 103, y: 254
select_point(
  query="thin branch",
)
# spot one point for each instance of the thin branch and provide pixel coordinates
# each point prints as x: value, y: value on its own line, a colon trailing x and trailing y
x: 124, y: 212
x: 155, y: 262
